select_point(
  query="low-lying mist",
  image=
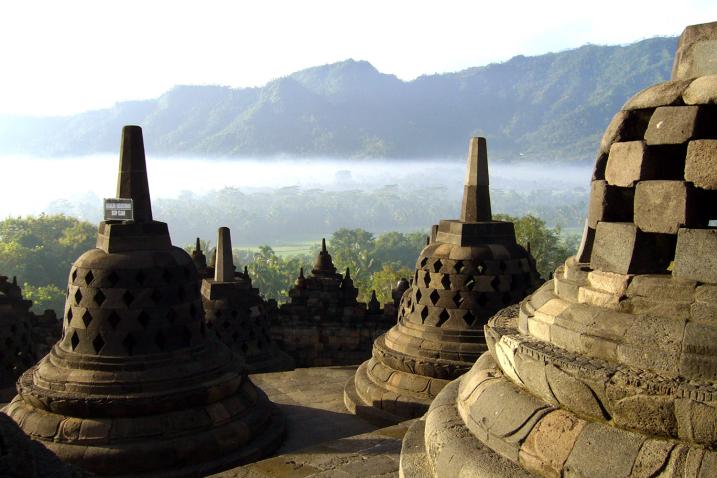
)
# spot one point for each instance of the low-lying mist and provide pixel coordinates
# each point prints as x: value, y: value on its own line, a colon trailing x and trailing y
x: 281, y: 200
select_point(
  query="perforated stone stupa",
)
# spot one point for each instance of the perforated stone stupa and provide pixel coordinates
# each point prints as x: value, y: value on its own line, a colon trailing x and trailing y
x: 17, y: 353
x: 610, y: 369
x: 234, y: 311
x: 323, y: 324
x: 136, y: 386
x: 471, y: 269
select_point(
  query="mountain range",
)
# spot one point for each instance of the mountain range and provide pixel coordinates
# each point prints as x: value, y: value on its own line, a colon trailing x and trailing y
x: 547, y: 107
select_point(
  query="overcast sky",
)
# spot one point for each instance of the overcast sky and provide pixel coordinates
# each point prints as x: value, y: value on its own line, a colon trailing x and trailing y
x: 61, y: 57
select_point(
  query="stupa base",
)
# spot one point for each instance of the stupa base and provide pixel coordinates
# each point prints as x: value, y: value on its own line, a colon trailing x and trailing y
x: 239, y: 429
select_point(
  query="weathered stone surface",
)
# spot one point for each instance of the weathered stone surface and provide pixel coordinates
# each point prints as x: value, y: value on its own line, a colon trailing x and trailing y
x: 622, y: 248
x: 696, y: 255
x: 696, y: 52
x: 662, y: 94
x: 663, y: 206
x: 549, y: 444
x: 662, y: 287
x: 672, y: 125
x: 597, y: 442
x: 701, y: 163
x: 609, y: 203
x: 702, y: 91
x: 627, y: 164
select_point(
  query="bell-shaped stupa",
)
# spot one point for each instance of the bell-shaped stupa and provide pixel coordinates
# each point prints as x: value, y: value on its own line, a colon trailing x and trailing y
x: 234, y: 311
x: 610, y: 369
x: 470, y: 270
x: 136, y: 386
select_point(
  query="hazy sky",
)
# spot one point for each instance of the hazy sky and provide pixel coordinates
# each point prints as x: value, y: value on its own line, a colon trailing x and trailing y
x: 61, y: 57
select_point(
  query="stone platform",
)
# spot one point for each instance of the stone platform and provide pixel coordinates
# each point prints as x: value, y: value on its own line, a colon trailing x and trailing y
x: 374, y: 454
x: 311, y: 400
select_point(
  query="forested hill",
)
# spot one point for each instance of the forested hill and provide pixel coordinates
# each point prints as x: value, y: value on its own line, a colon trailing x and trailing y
x: 552, y: 106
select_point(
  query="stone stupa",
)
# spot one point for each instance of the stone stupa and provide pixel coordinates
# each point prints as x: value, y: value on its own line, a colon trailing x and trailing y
x: 470, y: 269
x: 136, y: 386
x: 234, y: 311
x: 17, y: 353
x: 610, y: 369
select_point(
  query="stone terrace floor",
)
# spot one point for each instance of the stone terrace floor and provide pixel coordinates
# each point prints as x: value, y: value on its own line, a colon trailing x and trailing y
x: 323, y: 439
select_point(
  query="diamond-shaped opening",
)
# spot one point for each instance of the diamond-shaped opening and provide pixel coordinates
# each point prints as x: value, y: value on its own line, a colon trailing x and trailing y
x: 181, y: 293
x: 156, y: 296
x: 112, y: 278
x: 495, y: 283
x: 171, y: 316
x: 99, y: 297
x: 434, y: 297
x: 87, y: 318
x: 418, y: 295
x: 482, y: 300
x: 74, y: 275
x: 89, y: 277
x: 458, y: 267
x: 235, y: 336
x: 69, y: 315
x: 423, y: 262
x: 129, y: 343
x: 424, y: 314
x: 442, y: 317
x: 160, y: 340
x: 78, y: 296
x: 74, y: 340
x: 127, y: 298
x: 140, y: 277
x: 114, y: 319
x: 426, y: 279
x: 167, y: 275
x: 437, y: 265
x: 446, y: 281
x: 470, y: 283
x: 469, y: 318
x: 143, y: 318
x: 458, y: 299
x: 98, y: 343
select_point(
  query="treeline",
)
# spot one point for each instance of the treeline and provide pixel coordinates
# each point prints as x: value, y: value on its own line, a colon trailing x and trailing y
x: 40, y: 251
x: 293, y: 214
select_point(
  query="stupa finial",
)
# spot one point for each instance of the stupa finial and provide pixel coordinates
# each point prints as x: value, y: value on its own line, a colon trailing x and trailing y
x: 476, y: 195
x: 132, y: 178
x: 198, y: 246
x: 224, y: 268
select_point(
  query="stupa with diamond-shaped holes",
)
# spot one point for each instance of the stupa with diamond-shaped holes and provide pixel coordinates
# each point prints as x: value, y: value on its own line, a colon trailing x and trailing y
x: 471, y: 269
x: 235, y: 313
x: 610, y: 369
x: 136, y: 386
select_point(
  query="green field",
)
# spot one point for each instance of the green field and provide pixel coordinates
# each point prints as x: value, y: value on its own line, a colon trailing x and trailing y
x: 287, y: 250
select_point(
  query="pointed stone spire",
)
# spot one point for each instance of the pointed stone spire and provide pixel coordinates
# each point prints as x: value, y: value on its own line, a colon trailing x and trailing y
x: 428, y: 240
x: 476, y: 196
x: 301, y: 273
x: 348, y: 273
x: 132, y: 178
x: 14, y: 280
x: 374, y: 306
x: 224, y: 269
x: 300, y: 281
x: 198, y: 246
x: 324, y: 265
x: 246, y: 272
